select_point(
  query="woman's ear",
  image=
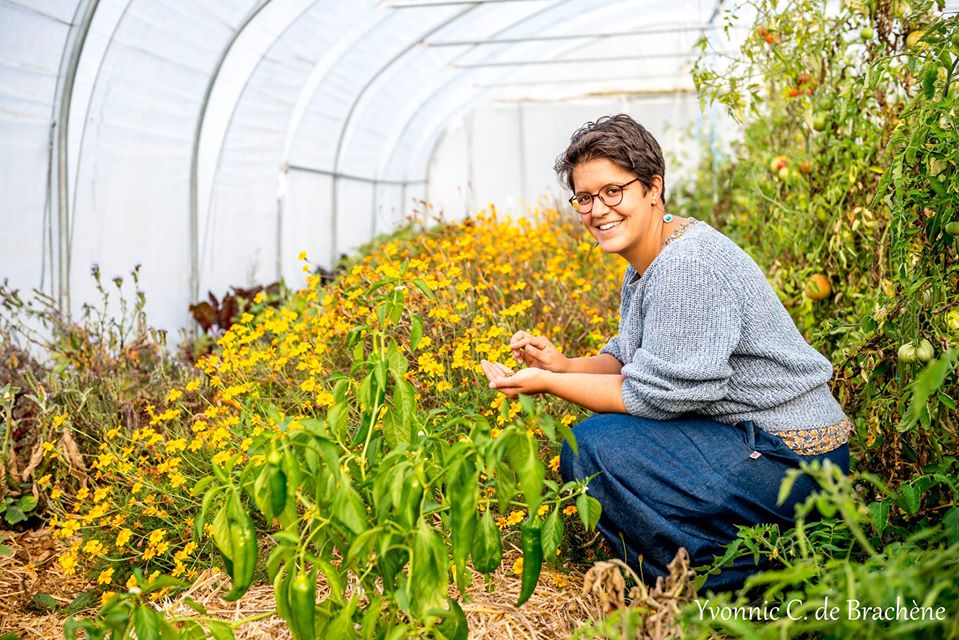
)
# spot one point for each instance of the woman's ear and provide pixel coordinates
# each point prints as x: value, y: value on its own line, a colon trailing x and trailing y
x: 656, y: 187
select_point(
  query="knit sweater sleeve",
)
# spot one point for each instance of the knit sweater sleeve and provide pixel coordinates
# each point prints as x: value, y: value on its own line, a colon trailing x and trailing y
x: 614, y: 347
x: 692, y: 324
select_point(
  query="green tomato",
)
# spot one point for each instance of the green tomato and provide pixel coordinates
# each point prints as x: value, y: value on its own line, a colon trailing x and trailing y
x: 819, y: 121
x: 907, y: 353
x: 866, y: 33
x: 952, y: 228
x: 925, y: 352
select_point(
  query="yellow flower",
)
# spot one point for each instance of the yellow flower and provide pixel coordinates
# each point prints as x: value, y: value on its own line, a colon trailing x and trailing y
x: 568, y: 420
x: 123, y: 537
x: 174, y: 395
x: 105, y: 597
x: 44, y: 481
x: 554, y: 463
x: 93, y: 547
x: 193, y: 385
x: 543, y: 510
x: 106, y: 576
x: 570, y: 510
x: 68, y: 562
x: 131, y: 582
x: 518, y: 566
x: 301, y: 256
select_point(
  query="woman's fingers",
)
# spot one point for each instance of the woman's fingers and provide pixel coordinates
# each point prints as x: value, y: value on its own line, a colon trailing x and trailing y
x: 492, y: 373
x: 495, y: 370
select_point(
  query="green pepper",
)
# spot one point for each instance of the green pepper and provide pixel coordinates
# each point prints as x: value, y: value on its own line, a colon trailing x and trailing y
x: 277, y: 482
x: 244, y: 550
x: 409, y: 510
x: 532, y: 559
x: 303, y: 606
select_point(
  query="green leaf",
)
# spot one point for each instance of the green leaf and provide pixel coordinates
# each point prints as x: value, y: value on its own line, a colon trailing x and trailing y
x: 193, y: 604
x: 27, y: 503
x: 950, y: 523
x: 146, y: 622
x: 192, y: 631
x: 567, y: 434
x: 909, y: 498
x: 786, y: 486
x: 422, y: 286
x: 163, y: 582
x: 5, y: 550
x: 86, y: 600
x: 929, y: 380
x: 454, y: 625
x: 221, y: 532
x: 589, y: 510
x: 416, y: 332
x: 879, y: 515
x: 220, y: 630
x: 14, y: 515
x: 523, y: 455
x: 487, y: 548
x: 551, y: 535
x: 337, y: 419
x: 349, y: 509
x: 429, y: 569
x: 44, y: 601
x: 461, y: 493
x: 527, y: 404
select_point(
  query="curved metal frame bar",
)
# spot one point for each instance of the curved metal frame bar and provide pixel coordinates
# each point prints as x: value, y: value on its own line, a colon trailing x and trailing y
x: 63, y: 121
x: 349, y: 116
x: 195, y: 152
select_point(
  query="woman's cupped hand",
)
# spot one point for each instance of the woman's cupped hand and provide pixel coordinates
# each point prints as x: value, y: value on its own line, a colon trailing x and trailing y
x: 540, y: 357
x: 526, y: 381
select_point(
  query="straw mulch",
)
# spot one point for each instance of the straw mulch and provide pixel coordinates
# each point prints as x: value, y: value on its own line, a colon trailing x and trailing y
x: 29, y: 569
x: 559, y: 605
x: 556, y: 608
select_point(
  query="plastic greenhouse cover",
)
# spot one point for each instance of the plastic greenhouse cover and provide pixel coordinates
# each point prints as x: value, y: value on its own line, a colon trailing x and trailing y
x: 303, y: 124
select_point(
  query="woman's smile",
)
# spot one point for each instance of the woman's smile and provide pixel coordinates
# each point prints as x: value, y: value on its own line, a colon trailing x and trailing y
x: 607, y: 228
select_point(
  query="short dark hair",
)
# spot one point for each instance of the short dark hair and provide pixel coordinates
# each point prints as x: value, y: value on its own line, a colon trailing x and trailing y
x: 619, y: 139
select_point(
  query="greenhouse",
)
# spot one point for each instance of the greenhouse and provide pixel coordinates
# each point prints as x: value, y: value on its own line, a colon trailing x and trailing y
x: 479, y: 318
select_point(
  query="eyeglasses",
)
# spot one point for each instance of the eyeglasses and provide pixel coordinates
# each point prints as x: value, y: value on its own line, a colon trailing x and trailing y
x: 611, y: 195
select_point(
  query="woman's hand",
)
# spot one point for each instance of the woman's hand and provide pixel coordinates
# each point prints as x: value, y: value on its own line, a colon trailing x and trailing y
x: 528, y: 381
x: 538, y: 352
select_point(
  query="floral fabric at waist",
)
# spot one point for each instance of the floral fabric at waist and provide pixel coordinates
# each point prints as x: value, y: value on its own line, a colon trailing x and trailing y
x: 811, y: 442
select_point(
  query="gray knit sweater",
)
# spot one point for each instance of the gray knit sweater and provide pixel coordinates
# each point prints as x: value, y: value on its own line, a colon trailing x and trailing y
x: 702, y: 331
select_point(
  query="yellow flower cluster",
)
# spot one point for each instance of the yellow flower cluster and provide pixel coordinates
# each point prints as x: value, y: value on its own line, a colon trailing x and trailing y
x: 470, y: 285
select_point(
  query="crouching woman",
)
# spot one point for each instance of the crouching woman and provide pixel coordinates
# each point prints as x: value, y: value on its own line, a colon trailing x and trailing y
x: 707, y: 396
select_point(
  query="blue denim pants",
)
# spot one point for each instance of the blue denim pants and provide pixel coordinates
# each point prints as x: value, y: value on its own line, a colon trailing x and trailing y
x: 687, y: 482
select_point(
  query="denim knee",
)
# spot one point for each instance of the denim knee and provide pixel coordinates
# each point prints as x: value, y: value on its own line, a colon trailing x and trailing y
x: 584, y: 463
x: 566, y: 462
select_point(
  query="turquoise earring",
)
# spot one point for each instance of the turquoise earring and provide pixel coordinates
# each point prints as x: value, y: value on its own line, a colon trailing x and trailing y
x: 668, y: 217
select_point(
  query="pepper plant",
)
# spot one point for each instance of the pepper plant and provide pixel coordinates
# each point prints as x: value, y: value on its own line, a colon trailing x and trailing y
x: 378, y: 500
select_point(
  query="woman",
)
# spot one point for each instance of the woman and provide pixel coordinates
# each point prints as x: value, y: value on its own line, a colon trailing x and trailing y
x: 709, y: 393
